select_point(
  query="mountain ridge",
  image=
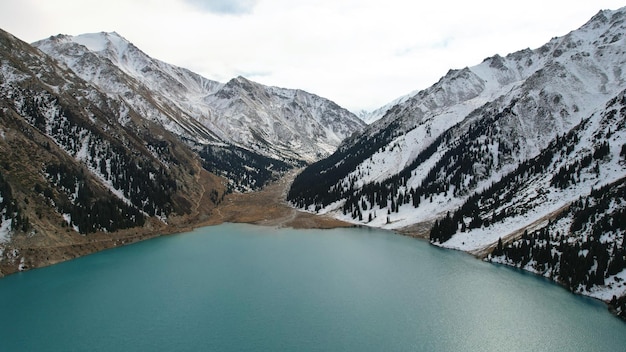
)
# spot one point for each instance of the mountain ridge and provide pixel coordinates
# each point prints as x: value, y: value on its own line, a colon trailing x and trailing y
x: 447, y: 103
x: 240, y: 112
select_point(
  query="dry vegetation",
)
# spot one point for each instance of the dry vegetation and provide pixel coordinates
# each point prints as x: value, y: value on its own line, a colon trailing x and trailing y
x: 268, y: 207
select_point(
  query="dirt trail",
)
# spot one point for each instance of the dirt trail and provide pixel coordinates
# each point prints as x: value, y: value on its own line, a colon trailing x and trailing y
x: 485, y: 251
x: 419, y: 230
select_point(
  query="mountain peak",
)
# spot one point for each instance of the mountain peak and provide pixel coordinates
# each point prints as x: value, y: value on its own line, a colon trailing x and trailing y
x: 242, y: 84
x: 604, y: 17
x: 102, y: 41
x: 108, y: 44
x: 278, y: 123
x: 241, y: 80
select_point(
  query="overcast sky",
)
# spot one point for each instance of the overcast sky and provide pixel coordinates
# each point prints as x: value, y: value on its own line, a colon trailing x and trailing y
x: 359, y: 53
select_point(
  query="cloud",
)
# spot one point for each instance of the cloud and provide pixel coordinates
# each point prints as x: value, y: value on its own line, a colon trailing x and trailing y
x: 227, y: 7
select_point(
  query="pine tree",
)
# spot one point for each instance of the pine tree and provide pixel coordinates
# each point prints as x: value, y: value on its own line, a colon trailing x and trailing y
x: 498, y: 251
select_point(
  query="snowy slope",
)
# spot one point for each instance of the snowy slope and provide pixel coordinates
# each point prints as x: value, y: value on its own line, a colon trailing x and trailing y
x: 370, y: 117
x: 570, y: 167
x: 160, y: 92
x: 511, y: 107
x: 284, y: 122
x: 288, y: 125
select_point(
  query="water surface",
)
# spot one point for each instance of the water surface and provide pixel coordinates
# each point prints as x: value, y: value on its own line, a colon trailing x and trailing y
x: 247, y: 288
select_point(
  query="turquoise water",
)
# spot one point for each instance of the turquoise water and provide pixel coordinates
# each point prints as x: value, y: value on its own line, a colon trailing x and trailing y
x: 246, y: 288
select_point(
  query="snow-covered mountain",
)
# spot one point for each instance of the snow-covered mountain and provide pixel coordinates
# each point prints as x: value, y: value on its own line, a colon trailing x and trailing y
x: 281, y: 123
x: 78, y: 166
x: 292, y: 126
x: 370, y: 117
x: 511, y: 108
x: 567, y: 206
x: 160, y: 92
x: 449, y: 148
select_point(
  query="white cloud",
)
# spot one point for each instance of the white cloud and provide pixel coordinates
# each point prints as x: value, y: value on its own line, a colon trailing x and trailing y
x: 359, y: 53
x: 230, y: 7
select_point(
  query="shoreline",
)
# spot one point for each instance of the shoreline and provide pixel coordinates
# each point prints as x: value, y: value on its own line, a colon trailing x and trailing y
x: 265, y: 207
x: 24, y: 258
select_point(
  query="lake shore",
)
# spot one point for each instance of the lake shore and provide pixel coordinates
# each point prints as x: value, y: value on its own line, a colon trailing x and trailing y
x: 266, y: 207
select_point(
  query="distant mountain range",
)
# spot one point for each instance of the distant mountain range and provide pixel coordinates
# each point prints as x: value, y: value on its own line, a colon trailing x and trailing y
x: 228, y: 124
x: 496, y: 149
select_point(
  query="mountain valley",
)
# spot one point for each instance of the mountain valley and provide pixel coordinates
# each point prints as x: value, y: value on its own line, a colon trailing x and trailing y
x: 111, y: 148
x: 519, y: 160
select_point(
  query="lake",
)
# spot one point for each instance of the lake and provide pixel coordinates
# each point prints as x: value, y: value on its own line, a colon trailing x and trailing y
x: 239, y: 287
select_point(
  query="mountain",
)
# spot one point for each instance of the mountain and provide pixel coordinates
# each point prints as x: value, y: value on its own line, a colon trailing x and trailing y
x: 239, y: 122
x: 491, y: 150
x: 370, y: 117
x: 81, y: 170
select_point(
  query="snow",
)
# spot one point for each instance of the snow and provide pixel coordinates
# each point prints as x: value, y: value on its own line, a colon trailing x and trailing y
x: 281, y: 123
x: 614, y: 285
x: 83, y: 152
x: 5, y: 229
x: 9, y: 74
x: 579, y: 82
x: 22, y: 265
x: 68, y: 220
x: 93, y: 41
x: 375, y: 115
x: 478, y: 239
x: 5, y: 225
x: 552, y: 92
x: 544, y: 199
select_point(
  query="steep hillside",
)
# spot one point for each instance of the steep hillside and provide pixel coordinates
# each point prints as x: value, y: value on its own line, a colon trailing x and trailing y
x: 281, y: 123
x: 489, y: 150
x: 588, y: 157
x: 228, y: 124
x: 469, y: 129
x: 78, y: 167
x: 578, y: 185
x: 162, y: 93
